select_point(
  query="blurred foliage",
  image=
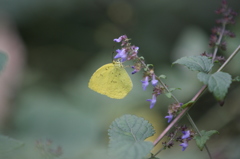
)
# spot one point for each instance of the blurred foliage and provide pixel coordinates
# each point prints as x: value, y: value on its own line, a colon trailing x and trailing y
x: 67, y: 41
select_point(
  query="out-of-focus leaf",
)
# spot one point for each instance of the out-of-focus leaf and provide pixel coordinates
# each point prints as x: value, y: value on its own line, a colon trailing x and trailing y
x: 3, y: 59
x: 196, y: 63
x: 218, y: 83
x: 236, y: 79
x: 201, y: 140
x: 127, y: 135
x: 8, y: 144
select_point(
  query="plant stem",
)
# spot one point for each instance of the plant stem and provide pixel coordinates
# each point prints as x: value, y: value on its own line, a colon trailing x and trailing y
x: 229, y: 58
x: 195, y: 98
x: 180, y: 115
x: 218, y: 42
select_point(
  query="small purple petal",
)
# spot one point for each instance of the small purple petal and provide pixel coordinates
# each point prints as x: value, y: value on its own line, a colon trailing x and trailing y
x: 135, y: 70
x: 123, y: 37
x: 154, y: 81
x: 145, y: 83
x: 169, y: 117
x: 117, y: 40
x: 121, y: 54
x: 152, y: 101
x: 186, y: 134
x: 184, y: 145
x: 135, y: 48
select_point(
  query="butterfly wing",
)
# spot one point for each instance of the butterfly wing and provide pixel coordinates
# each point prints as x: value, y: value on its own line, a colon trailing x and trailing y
x: 111, y: 80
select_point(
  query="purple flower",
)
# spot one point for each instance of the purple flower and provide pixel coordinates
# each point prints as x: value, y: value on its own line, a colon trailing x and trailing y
x: 152, y: 101
x: 154, y: 81
x: 145, y: 83
x: 184, y: 145
x: 118, y: 40
x: 186, y: 134
x: 135, y: 70
x: 121, y: 54
x: 135, y: 49
x: 169, y: 117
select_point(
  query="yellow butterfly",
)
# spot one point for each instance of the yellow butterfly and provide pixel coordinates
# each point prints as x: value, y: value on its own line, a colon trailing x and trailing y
x: 111, y: 80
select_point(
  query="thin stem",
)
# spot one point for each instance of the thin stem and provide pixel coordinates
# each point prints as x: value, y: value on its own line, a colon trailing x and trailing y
x: 175, y: 133
x: 229, y: 58
x: 160, y: 81
x: 218, y: 42
x: 195, y: 127
x: 180, y: 115
x: 195, y: 98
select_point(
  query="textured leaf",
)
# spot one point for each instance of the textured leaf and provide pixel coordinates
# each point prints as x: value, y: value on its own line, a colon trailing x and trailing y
x: 8, y: 144
x: 127, y: 135
x: 218, y: 83
x: 201, y: 140
x: 196, y: 63
x: 3, y: 59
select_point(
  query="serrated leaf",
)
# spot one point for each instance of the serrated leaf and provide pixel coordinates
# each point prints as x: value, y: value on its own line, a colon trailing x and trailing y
x: 3, y: 59
x: 196, y: 63
x: 8, y: 144
x: 205, y: 135
x: 218, y: 83
x: 127, y: 135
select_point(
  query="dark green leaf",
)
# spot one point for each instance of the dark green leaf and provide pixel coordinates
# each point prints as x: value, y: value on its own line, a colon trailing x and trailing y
x: 218, y: 83
x: 205, y: 135
x: 127, y: 135
x: 196, y: 63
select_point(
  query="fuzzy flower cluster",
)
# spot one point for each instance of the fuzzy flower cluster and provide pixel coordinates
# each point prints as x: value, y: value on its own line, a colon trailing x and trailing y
x: 228, y: 16
x: 219, y: 59
x: 173, y: 109
x: 130, y: 52
x: 184, y: 138
x: 45, y: 147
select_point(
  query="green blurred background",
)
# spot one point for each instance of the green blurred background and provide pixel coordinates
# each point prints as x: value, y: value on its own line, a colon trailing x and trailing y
x: 54, y: 46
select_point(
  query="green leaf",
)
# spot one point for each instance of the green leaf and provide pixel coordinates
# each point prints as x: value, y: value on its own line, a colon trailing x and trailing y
x: 173, y: 89
x: 196, y: 63
x: 8, y: 144
x: 169, y: 95
x: 3, y: 59
x: 188, y: 104
x: 201, y: 140
x: 127, y: 135
x: 163, y: 76
x: 218, y: 83
x: 236, y: 79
